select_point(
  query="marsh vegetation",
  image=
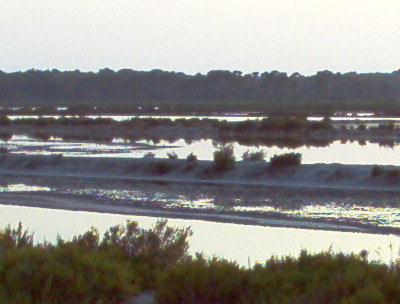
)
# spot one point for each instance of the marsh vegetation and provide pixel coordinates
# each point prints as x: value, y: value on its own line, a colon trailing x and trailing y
x: 128, y: 260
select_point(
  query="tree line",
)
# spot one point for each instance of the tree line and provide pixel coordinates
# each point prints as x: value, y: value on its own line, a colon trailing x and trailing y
x: 218, y: 90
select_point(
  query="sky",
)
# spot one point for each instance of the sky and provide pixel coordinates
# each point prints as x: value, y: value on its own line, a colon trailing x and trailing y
x: 193, y: 36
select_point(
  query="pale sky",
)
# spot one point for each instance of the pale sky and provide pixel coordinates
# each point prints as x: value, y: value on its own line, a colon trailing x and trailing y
x: 192, y: 36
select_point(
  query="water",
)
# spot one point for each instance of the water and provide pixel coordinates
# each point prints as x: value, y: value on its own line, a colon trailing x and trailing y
x: 230, y: 241
x: 346, y: 153
x: 364, y: 117
x: 257, y: 203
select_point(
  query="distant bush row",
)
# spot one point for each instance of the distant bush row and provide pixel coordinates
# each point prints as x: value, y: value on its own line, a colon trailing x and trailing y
x: 224, y: 160
x: 279, y: 123
x: 127, y: 260
x: 377, y: 171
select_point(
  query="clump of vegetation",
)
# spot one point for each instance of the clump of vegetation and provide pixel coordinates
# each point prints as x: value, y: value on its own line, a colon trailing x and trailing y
x: 377, y: 171
x: 4, y: 120
x: 191, y: 158
x: 254, y: 156
x: 172, y: 155
x: 88, y: 269
x: 57, y: 157
x: 191, y: 161
x: 4, y: 136
x: 4, y: 150
x: 387, y: 126
x: 285, y: 160
x: 149, y: 155
x: 224, y: 158
x: 161, y: 167
x: 362, y: 127
x: 128, y: 259
x: 393, y: 173
x: 310, y: 278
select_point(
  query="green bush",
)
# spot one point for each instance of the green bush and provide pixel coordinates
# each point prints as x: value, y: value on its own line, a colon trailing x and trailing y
x: 88, y: 269
x: 149, y: 155
x: 191, y: 158
x: 285, y: 160
x: 191, y: 161
x: 254, y: 156
x: 377, y: 171
x: 308, y: 279
x: 201, y: 280
x: 224, y: 158
x: 161, y: 167
x: 362, y: 127
x: 393, y: 173
x: 128, y: 259
x: 172, y: 155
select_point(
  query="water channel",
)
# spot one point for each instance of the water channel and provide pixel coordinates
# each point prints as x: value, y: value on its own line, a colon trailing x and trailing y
x: 242, y: 243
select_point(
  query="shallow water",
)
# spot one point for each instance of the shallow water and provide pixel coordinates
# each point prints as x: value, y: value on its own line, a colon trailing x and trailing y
x: 346, y: 153
x: 232, y: 118
x: 256, y: 202
x: 242, y: 243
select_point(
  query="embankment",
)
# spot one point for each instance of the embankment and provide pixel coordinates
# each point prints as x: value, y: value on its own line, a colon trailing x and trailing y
x: 182, y: 171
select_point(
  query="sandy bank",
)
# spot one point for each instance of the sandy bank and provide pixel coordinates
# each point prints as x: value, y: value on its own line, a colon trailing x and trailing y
x: 202, y: 172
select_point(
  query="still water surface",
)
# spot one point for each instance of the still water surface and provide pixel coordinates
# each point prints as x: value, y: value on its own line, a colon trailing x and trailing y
x: 241, y: 243
x: 336, y: 152
x: 227, y: 118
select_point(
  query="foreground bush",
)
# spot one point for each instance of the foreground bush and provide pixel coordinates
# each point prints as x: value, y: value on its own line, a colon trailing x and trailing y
x: 128, y: 259
x: 87, y: 269
x: 285, y: 160
x: 224, y: 158
x: 309, y: 279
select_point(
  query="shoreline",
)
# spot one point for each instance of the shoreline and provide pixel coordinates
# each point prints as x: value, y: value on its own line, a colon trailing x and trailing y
x: 75, y: 203
x: 152, y: 128
x: 314, y: 183
x: 245, y: 173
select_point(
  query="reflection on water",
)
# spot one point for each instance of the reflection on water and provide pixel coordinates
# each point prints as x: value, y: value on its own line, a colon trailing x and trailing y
x: 336, y: 152
x: 22, y: 188
x: 385, y: 217
x: 232, y: 118
x: 242, y: 243
x: 343, y: 212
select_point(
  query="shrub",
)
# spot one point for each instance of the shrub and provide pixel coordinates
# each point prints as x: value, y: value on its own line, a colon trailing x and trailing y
x: 88, y: 269
x: 310, y: 278
x: 172, y: 155
x: 377, y: 171
x: 4, y: 120
x: 254, y: 156
x: 191, y: 158
x: 4, y: 150
x: 149, y: 155
x: 5, y: 136
x: 362, y: 127
x: 285, y: 160
x: 393, y: 173
x: 224, y: 158
x: 161, y: 167
x: 202, y: 280
x: 388, y: 126
x: 191, y: 161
